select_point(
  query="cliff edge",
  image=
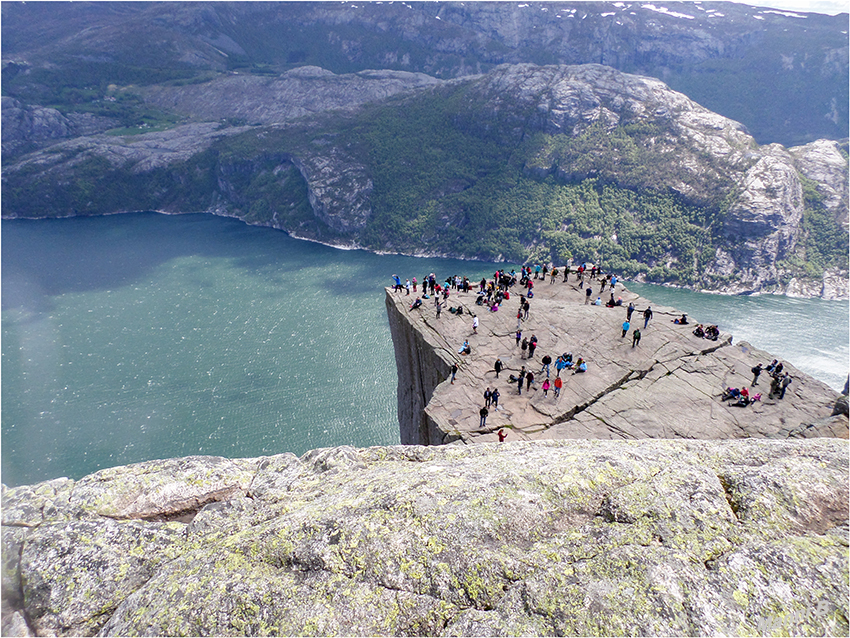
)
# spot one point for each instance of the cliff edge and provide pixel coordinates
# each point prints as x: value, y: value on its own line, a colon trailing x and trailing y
x: 525, y: 538
x: 668, y: 386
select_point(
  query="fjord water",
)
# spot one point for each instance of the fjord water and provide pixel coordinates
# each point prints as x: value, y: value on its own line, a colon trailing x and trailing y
x: 142, y: 336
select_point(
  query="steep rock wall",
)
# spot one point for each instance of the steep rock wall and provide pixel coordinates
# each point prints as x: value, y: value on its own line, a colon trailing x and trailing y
x: 421, y: 368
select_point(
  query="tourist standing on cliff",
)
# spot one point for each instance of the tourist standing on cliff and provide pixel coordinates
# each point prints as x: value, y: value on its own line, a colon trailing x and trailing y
x: 532, y: 346
x: 546, y: 361
x: 494, y: 397
x: 558, y: 385
x: 525, y: 306
x: 635, y: 337
x: 439, y: 306
x: 524, y: 346
x: 756, y: 372
x: 629, y: 311
x: 786, y: 381
x: 483, y: 412
x: 647, y: 315
x: 560, y: 364
x: 529, y: 379
x: 626, y: 326
x: 454, y: 372
x: 475, y: 324
x: 587, y: 294
x: 775, y: 387
x: 488, y: 396
x: 520, y: 379
x: 518, y: 336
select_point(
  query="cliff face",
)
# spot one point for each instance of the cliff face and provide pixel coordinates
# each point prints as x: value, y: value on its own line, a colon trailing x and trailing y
x: 421, y: 368
x: 739, y: 225
x: 531, y: 538
x: 669, y: 386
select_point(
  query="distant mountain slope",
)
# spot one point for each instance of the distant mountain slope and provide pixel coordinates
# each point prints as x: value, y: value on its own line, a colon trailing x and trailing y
x: 524, y: 162
x: 783, y: 75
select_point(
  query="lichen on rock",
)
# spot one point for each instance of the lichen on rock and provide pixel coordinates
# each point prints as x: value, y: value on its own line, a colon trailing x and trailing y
x: 580, y: 537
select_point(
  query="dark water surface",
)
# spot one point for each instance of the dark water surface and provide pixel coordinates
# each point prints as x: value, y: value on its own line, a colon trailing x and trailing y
x: 142, y: 336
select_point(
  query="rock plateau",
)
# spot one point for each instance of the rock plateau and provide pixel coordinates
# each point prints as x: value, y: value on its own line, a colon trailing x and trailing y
x: 669, y: 386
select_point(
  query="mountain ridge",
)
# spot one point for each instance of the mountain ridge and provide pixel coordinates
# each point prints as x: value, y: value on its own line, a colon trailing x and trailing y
x: 524, y: 162
x: 726, y: 56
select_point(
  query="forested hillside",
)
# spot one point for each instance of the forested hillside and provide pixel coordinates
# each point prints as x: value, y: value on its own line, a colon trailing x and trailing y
x: 615, y: 169
x: 215, y: 107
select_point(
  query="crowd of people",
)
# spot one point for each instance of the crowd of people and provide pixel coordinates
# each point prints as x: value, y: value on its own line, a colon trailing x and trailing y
x: 493, y: 293
x: 779, y: 382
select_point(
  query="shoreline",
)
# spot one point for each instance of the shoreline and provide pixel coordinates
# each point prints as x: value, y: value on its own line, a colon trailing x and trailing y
x: 435, y: 255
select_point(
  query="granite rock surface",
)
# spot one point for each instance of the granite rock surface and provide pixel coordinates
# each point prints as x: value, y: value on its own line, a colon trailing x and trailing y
x: 575, y: 537
x: 669, y: 386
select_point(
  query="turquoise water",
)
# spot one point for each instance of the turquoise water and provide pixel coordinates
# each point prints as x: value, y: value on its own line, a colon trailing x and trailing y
x: 143, y: 336
x: 133, y: 337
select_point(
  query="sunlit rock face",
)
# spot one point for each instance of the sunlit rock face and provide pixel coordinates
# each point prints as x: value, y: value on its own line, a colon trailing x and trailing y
x: 669, y: 386
x: 535, y: 538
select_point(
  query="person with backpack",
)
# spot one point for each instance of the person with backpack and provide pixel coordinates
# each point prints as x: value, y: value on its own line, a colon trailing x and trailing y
x: 756, y: 372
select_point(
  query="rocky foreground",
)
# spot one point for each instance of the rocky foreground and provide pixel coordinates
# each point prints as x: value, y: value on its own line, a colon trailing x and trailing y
x: 669, y: 386
x: 525, y: 538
